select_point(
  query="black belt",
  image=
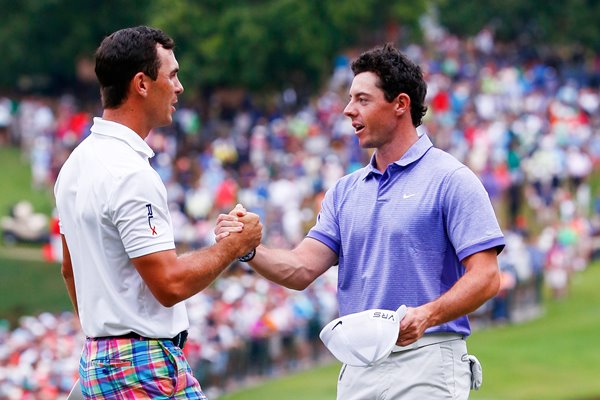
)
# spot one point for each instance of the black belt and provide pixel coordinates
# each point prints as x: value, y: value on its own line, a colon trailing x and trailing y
x: 178, y: 340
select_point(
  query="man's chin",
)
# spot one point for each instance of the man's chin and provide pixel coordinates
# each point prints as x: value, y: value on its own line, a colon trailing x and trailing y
x: 166, y: 122
x: 365, y: 144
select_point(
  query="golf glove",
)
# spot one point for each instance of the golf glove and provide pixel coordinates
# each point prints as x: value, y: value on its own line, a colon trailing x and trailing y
x: 476, y: 371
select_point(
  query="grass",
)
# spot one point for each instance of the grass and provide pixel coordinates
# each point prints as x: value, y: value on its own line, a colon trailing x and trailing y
x: 15, y: 181
x: 314, y: 384
x: 29, y: 286
x: 555, y: 357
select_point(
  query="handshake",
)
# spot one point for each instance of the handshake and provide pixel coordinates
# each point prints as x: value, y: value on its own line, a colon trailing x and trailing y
x: 240, y: 229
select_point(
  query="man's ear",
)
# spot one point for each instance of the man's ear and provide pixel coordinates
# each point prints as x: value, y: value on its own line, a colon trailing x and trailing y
x: 139, y: 84
x: 402, y: 104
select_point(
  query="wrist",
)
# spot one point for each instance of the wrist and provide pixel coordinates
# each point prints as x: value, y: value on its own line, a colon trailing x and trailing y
x: 431, y: 314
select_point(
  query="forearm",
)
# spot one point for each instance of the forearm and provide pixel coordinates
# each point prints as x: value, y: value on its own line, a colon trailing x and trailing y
x: 281, y: 266
x: 479, y: 283
x: 294, y: 269
x: 193, y: 272
x: 70, y: 284
x: 67, y: 274
x: 297, y: 268
x: 196, y: 270
x: 466, y: 296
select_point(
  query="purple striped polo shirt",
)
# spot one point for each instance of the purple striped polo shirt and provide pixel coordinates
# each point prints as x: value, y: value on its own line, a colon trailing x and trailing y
x: 400, y: 235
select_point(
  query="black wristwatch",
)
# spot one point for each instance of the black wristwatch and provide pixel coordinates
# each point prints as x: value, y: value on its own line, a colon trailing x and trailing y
x: 248, y: 257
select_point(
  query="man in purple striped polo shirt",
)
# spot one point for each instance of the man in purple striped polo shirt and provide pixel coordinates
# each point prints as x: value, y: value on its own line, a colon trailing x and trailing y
x: 413, y: 227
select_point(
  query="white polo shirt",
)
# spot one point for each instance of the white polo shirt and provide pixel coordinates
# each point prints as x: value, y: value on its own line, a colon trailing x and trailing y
x: 112, y: 207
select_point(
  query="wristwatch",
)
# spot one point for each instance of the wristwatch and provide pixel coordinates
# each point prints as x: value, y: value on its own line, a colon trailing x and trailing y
x: 248, y: 257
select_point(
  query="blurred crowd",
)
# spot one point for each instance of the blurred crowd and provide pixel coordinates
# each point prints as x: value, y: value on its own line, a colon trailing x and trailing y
x: 526, y: 123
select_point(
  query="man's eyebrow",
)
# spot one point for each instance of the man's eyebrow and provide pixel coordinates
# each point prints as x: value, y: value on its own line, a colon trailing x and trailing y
x: 358, y: 94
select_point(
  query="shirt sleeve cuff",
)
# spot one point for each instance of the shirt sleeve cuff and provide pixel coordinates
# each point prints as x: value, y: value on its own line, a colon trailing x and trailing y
x: 326, y: 240
x: 498, y: 243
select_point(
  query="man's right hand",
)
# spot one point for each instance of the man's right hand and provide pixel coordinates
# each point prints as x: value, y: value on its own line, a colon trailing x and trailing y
x: 243, y: 229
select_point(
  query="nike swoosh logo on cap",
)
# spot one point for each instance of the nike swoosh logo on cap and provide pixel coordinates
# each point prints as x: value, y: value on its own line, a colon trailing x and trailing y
x: 408, y: 196
x: 336, y: 325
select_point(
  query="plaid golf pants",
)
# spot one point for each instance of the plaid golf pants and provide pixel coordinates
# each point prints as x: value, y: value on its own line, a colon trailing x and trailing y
x: 124, y: 369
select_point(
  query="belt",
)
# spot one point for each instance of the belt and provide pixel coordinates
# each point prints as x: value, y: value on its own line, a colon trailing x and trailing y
x: 178, y: 340
x: 429, y: 339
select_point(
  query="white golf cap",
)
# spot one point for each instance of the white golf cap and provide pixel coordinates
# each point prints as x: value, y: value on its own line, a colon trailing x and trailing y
x: 365, y: 338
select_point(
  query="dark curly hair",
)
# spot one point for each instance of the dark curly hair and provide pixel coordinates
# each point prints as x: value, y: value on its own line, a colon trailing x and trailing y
x: 397, y: 74
x: 123, y: 54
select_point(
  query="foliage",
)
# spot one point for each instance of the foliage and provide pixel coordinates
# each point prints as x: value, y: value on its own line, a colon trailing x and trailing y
x: 269, y: 44
x: 256, y: 44
x: 43, y: 40
x: 262, y: 45
x: 568, y: 22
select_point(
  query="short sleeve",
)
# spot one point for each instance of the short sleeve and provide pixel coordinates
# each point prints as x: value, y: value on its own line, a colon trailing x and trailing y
x: 327, y: 229
x: 139, y: 211
x: 471, y: 222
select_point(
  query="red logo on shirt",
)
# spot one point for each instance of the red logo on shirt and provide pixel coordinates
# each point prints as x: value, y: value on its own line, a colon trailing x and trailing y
x: 150, y: 216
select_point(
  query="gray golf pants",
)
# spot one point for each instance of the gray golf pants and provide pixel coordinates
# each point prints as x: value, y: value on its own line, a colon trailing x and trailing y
x: 436, y: 371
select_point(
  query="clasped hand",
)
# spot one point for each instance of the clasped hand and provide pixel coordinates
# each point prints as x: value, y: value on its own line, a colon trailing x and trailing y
x: 241, y: 227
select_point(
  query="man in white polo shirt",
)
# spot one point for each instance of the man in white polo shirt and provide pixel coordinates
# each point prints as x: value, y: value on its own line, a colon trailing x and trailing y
x: 120, y: 267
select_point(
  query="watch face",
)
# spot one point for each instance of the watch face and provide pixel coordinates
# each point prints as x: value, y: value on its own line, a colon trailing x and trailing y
x: 248, y: 257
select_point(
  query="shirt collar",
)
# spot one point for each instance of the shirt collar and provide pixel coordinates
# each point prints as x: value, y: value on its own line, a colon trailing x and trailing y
x: 122, y: 132
x: 414, y: 152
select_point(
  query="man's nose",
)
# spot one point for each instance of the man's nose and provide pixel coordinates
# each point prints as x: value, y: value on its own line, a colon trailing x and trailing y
x: 349, y: 110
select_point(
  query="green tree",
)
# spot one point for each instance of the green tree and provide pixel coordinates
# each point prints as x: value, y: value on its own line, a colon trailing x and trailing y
x: 269, y: 44
x: 43, y: 40
x: 261, y: 45
x: 552, y: 23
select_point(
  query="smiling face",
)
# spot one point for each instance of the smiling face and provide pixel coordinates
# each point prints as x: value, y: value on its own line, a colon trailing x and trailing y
x: 163, y: 92
x: 374, y: 118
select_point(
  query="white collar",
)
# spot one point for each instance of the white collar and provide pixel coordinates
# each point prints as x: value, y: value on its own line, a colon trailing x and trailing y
x: 122, y: 132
